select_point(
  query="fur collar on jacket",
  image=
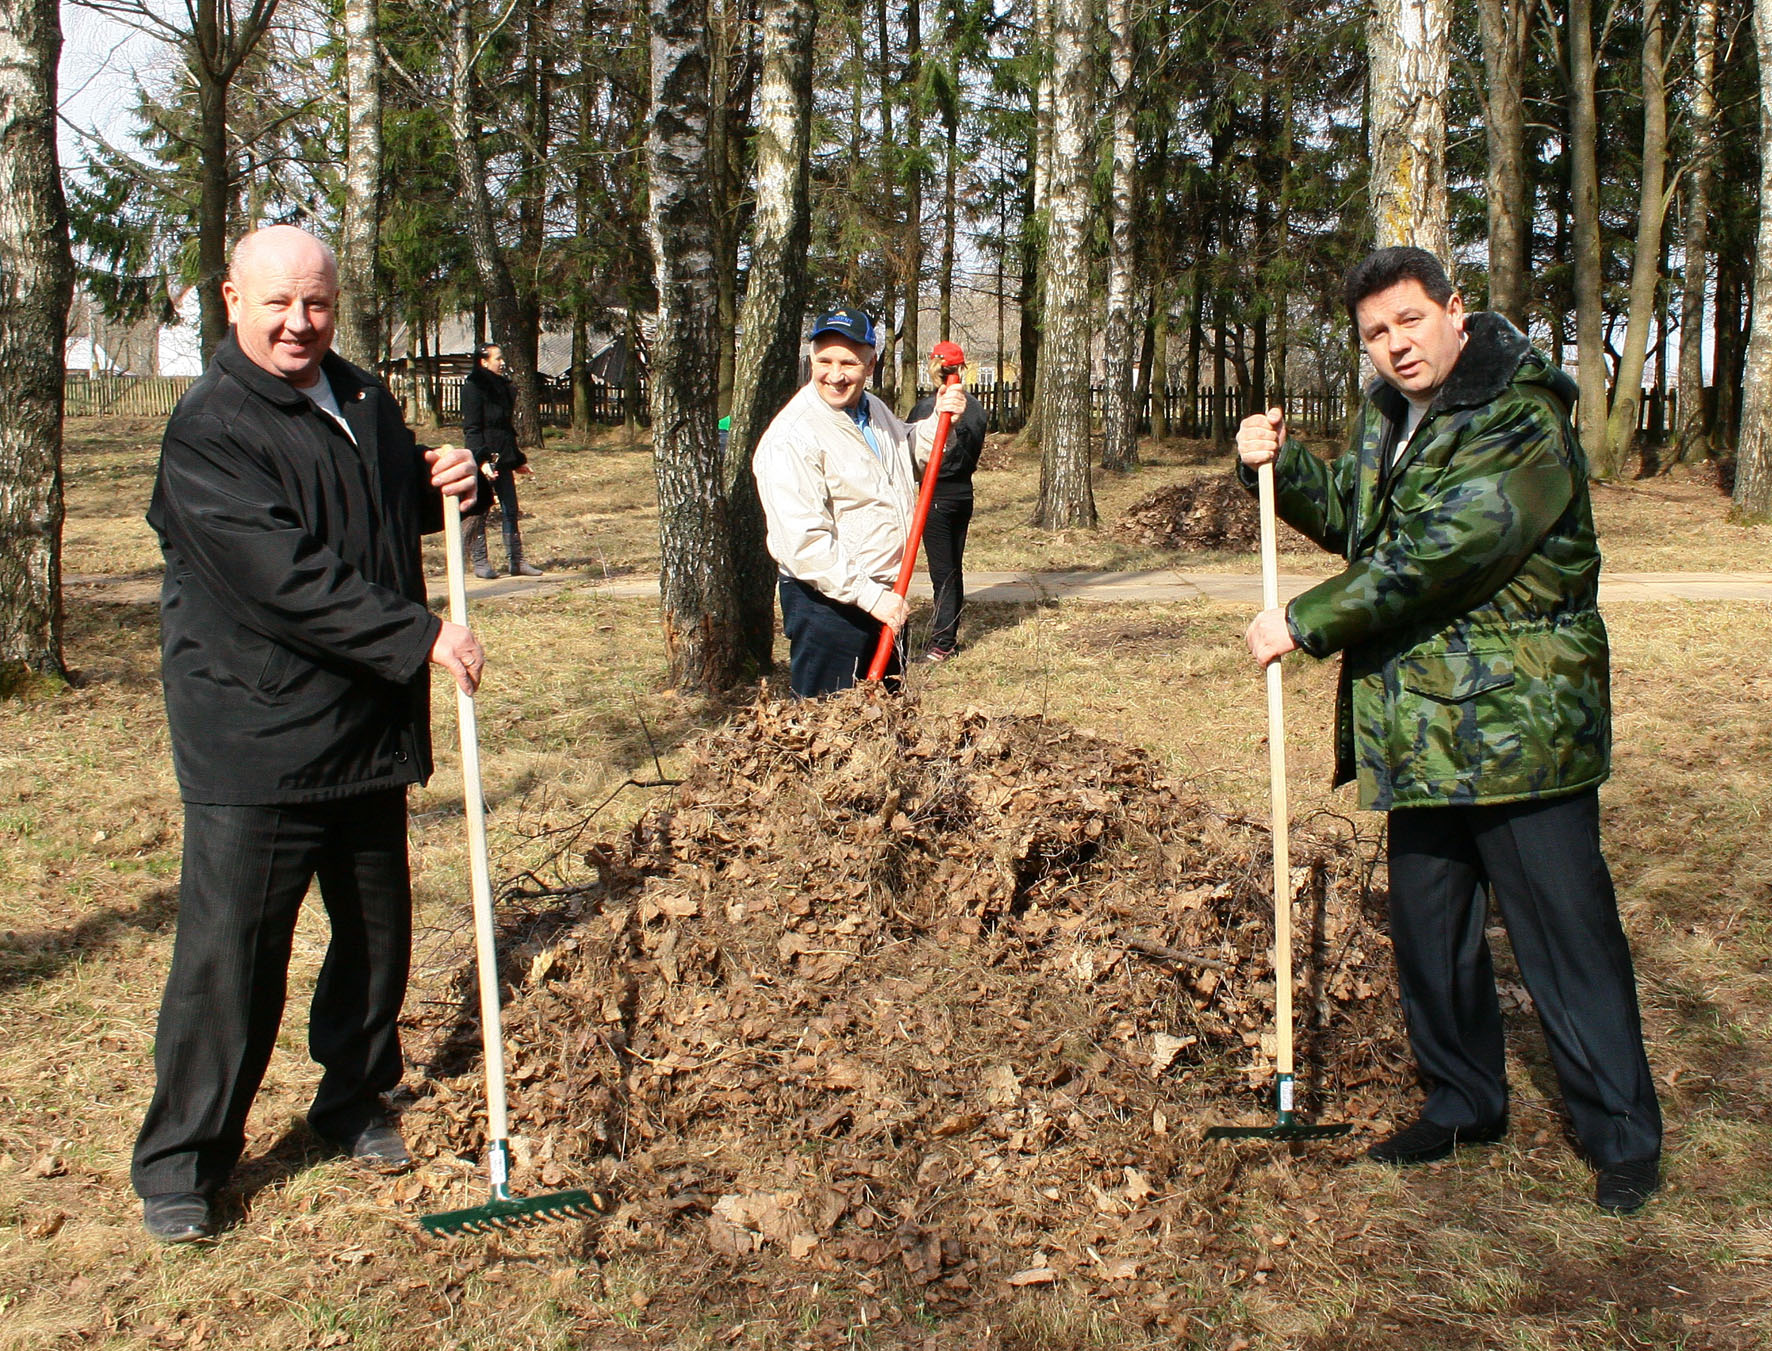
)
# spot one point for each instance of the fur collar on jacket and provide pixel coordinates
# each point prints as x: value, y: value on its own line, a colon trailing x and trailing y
x: 1493, y: 352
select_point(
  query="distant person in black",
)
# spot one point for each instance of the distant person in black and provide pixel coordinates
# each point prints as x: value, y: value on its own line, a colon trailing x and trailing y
x: 950, y: 510
x: 486, y: 426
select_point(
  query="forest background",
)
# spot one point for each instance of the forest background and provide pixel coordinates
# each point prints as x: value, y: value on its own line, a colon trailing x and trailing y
x: 1119, y: 197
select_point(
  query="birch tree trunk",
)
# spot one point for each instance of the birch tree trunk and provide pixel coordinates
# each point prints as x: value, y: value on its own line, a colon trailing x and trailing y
x: 1584, y: 210
x: 910, y: 354
x: 1507, y: 27
x: 359, y: 329
x: 1409, y: 66
x: 1753, y: 454
x: 775, y: 300
x: 1066, y: 496
x: 502, y: 309
x: 1692, y: 435
x: 36, y: 287
x: 1119, y: 425
x: 1645, y: 277
x: 696, y: 585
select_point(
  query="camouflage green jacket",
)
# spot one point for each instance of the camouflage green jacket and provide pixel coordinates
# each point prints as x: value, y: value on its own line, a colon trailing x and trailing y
x: 1475, y: 665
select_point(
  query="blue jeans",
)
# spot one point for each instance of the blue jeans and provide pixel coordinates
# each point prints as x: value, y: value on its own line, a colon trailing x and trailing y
x: 830, y: 645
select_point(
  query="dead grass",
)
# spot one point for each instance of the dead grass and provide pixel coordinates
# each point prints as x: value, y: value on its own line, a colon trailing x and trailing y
x: 1496, y: 1249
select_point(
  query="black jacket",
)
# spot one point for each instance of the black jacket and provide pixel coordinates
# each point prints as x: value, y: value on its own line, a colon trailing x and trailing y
x: 959, y: 458
x: 486, y: 403
x: 294, y: 632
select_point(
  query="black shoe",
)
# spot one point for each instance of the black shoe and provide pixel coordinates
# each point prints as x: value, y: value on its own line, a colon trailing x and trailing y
x: 1425, y: 1141
x: 1623, y: 1187
x: 379, y: 1146
x: 178, y: 1217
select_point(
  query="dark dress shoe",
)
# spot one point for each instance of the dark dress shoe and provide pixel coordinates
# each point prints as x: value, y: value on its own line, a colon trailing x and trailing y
x: 379, y: 1146
x: 178, y: 1217
x: 1623, y: 1187
x: 1425, y: 1141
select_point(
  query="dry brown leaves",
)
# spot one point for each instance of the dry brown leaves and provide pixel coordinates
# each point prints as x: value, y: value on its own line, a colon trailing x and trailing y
x: 941, y: 1000
x: 1209, y: 513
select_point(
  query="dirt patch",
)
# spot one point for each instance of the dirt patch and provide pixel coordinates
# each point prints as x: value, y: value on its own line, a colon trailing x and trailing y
x: 1209, y: 513
x: 940, y: 1002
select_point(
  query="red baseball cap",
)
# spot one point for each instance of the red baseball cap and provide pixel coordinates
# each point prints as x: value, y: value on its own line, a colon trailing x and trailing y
x: 948, y: 354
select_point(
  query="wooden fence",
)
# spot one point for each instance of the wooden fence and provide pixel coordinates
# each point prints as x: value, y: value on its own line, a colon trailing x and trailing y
x: 1320, y: 413
x: 122, y: 395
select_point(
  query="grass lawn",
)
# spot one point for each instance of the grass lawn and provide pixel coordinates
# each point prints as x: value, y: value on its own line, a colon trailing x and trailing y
x: 1286, y: 1248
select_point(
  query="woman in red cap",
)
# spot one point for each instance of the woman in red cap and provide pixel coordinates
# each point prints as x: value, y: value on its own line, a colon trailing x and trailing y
x: 950, y: 510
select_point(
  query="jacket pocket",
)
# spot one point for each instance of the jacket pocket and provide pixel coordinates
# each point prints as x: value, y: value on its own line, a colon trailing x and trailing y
x: 1454, y: 677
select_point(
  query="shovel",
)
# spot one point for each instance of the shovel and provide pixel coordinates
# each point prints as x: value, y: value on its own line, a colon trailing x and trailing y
x: 503, y: 1211
x: 1284, y: 1127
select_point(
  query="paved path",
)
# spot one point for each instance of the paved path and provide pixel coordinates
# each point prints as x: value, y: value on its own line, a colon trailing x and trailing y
x: 1156, y: 584
x: 1159, y: 584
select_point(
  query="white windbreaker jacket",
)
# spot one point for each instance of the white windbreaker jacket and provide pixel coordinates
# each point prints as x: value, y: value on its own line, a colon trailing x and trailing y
x: 838, y: 514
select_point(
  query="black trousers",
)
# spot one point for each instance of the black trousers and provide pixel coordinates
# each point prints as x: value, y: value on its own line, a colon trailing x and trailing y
x: 830, y: 645
x: 246, y: 870
x: 1542, y: 863
x: 944, y: 545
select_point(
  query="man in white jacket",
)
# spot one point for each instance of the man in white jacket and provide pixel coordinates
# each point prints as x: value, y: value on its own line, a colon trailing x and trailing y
x: 836, y: 472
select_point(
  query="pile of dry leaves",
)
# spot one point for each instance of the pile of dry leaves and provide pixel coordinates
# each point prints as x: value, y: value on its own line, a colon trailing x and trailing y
x: 1209, y: 513
x: 949, y: 996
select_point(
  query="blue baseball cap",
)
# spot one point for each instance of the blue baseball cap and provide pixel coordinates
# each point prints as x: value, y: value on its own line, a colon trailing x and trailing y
x: 851, y: 324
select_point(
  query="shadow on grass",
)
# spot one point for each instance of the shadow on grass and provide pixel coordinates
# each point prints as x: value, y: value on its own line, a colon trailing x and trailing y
x: 31, y: 955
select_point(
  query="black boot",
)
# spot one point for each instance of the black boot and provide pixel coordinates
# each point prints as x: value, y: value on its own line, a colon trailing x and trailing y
x: 473, y: 537
x: 514, y: 547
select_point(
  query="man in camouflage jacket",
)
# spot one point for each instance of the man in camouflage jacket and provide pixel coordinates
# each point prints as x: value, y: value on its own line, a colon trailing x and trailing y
x: 1473, y: 706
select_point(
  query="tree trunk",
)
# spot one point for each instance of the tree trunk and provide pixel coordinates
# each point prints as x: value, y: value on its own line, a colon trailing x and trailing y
x: 1119, y: 429
x: 1584, y: 184
x: 775, y: 300
x: 1692, y: 435
x: 1753, y: 456
x: 1160, y: 364
x: 696, y: 585
x: 910, y: 355
x: 1409, y: 46
x: 502, y: 308
x: 1066, y: 496
x: 1507, y: 27
x: 949, y: 216
x: 1645, y: 279
x: 36, y: 288
x: 359, y: 328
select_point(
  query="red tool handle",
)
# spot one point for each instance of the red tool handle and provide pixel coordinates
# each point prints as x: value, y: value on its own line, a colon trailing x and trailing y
x: 883, y: 650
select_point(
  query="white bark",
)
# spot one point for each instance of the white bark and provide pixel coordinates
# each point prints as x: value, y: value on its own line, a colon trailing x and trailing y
x: 36, y: 283
x: 1119, y: 449
x: 1066, y: 496
x: 1753, y: 456
x: 359, y: 329
x: 1409, y: 49
x: 1693, y: 440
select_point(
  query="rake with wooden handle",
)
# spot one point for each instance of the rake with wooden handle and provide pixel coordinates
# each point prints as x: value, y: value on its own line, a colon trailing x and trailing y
x: 1284, y: 1127
x: 503, y: 1211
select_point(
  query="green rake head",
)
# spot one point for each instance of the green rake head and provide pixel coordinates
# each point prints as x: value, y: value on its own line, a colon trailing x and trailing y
x: 506, y: 1212
x: 1284, y: 1127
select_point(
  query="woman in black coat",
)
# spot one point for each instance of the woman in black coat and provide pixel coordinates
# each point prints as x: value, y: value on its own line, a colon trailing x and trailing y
x: 486, y: 404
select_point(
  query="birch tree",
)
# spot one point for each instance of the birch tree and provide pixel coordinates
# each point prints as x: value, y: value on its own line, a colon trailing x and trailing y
x: 1410, y: 61
x: 1753, y: 455
x: 1692, y: 434
x: 775, y: 299
x: 1119, y: 420
x: 1066, y: 496
x: 699, y: 599
x: 36, y: 284
x: 359, y: 328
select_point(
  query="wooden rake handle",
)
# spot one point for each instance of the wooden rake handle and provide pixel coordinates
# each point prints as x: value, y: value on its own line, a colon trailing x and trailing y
x: 474, y: 800
x: 1276, y: 768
